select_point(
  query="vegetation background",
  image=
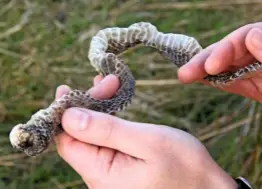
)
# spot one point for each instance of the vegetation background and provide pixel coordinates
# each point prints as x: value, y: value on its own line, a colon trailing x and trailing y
x: 44, y: 44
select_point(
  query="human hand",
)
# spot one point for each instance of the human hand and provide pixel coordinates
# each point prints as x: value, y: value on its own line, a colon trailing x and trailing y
x: 109, y: 152
x: 238, y: 49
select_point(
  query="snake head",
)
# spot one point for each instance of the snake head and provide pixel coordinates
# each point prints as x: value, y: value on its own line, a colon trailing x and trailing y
x: 29, y: 139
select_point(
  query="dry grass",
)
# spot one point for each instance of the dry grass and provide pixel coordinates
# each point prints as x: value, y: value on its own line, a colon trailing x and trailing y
x: 44, y: 44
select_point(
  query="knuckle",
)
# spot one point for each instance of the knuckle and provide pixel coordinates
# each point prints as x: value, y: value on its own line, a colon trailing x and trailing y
x: 161, y: 140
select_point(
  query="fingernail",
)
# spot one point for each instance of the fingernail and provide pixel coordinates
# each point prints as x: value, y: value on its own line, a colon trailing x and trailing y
x: 256, y: 39
x: 80, y: 119
x: 61, y: 90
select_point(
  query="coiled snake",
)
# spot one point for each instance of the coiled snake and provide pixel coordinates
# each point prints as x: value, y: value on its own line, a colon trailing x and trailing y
x: 34, y: 136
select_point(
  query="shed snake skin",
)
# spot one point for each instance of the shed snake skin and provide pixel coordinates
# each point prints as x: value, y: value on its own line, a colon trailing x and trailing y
x: 34, y: 136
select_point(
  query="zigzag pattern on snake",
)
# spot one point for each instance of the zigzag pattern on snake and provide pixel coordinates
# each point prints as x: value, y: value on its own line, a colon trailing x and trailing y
x: 34, y: 136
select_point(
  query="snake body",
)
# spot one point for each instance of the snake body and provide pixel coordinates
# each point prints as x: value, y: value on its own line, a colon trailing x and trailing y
x: 34, y: 136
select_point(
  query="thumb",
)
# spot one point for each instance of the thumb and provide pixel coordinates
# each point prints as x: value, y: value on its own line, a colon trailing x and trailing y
x: 254, y: 43
x: 108, y: 131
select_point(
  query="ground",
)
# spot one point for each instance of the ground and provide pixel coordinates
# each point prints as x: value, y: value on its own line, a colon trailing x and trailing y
x: 44, y: 44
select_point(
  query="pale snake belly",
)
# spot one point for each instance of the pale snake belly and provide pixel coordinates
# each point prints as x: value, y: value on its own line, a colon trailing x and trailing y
x: 34, y: 136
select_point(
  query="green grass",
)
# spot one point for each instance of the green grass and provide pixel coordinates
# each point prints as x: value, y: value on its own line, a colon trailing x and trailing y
x: 45, y: 53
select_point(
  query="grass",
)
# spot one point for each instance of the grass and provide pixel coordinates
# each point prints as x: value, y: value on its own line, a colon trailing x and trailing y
x: 45, y: 44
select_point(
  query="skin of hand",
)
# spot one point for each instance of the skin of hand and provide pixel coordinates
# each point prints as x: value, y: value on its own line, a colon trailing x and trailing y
x: 109, y: 152
x: 236, y: 50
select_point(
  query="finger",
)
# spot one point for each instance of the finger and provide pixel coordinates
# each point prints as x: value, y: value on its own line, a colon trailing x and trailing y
x: 231, y: 48
x: 61, y: 90
x: 254, y: 43
x: 106, y: 88
x: 246, y: 88
x: 221, y: 58
x: 237, y: 87
x: 194, y: 69
x: 79, y: 155
x: 97, y: 79
x: 105, y: 130
x: 240, y: 63
x: 76, y: 153
x: 102, y: 90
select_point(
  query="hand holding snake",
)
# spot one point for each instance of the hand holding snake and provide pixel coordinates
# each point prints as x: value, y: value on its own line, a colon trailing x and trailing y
x: 240, y: 48
x: 109, y: 152
x: 34, y: 136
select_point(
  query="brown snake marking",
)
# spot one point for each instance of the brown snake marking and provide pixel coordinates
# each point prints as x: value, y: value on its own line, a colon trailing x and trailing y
x: 34, y: 136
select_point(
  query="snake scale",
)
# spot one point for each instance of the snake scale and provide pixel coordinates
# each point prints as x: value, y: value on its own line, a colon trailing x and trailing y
x: 34, y: 136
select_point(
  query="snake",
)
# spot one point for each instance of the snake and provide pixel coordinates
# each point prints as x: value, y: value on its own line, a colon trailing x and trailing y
x: 34, y: 136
